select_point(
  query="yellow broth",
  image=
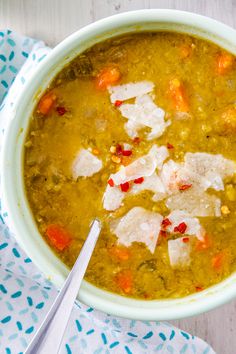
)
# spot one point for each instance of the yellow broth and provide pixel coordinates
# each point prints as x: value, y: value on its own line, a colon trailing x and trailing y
x: 91, y: 121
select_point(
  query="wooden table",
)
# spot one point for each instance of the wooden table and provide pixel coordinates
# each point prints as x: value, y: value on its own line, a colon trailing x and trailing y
x: 53, y: 20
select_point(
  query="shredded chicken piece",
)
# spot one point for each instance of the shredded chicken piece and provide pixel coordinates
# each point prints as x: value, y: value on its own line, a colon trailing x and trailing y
x: 193, y: 226
x: 179, y: 253
x: 112, y: 198
x: 152, y: 183
x: 144, y: 113
x: 209, y: 170
x: 139, y: 225
x: 85, y: 164
x: 144, y: 166
x: 195, y: 202
x: 126, y: 91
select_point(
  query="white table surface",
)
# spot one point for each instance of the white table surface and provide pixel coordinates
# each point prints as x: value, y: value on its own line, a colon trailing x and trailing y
x: 53, y: 20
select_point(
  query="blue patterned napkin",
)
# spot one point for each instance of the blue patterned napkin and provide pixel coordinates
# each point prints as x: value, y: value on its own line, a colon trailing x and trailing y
x: 26, y: 296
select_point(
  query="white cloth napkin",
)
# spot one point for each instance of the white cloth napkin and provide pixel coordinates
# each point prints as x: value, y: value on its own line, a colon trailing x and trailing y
x: 26, y: 296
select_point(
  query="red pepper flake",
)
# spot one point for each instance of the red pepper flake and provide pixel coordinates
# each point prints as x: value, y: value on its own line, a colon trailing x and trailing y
x: 139, y: 180
x: 163, y: 233
x: 184, y: 187
x: 199, y: 288
x: 136, y: 140
x: 61, y: 110
x: 169, y: 146
x: 119, y: 149
x: 124, y: 187
x: 166, y: 222
x: 185, y: 239
x: 118, y: 103
x: 111, y: 182
x: 181, y: 228
x: 126, y: 152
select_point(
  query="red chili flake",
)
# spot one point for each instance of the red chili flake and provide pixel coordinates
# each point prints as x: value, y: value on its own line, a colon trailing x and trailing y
x: 139, y: 180
x: 184, y: 187
x: 185, y: 239
x: 169, y: 146
x: 119, y: 149
x: 163, y: 233
x: 181, y: 228
x: 61, y: 110
x: 118, y: 103
x: 124, y: 187
x: 126, y: 152
x: 137, y: 140
x: 199, y: 288
x: 111, y: 182
x: 166, y: 222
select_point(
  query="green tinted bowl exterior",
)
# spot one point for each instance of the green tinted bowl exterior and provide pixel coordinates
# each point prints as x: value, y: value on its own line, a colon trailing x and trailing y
x: 14, y: 196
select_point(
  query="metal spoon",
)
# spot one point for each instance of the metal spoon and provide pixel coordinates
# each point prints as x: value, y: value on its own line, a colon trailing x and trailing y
x: 49, y: 336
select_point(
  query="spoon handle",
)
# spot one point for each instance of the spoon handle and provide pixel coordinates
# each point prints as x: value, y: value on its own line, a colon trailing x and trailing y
x: 49, y: 336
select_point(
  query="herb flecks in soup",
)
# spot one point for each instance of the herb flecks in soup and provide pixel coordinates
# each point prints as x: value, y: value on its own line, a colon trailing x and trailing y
x: 139, y: 131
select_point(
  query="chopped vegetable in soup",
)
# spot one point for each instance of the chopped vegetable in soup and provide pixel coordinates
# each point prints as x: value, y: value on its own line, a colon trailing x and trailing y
x: 140, y: 131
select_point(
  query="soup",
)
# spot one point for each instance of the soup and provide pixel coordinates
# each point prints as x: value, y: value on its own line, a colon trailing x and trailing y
x: 139, y: 131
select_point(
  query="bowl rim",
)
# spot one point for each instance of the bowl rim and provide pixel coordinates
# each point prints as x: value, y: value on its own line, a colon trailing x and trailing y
x: 14, y: 198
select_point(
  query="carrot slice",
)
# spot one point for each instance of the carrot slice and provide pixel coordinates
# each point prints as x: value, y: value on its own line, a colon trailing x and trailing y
x: 124, y: 280
x: 224, y: 63
x: 46, y: 103
x: 107, y: 76
x: 58, y: 236
x: 204, y: 244
x: 120, y: 253
x: 218, y: 260
x: 177, y: 94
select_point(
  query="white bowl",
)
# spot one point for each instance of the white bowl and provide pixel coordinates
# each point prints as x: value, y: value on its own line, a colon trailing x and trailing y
x: 14, y: 195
